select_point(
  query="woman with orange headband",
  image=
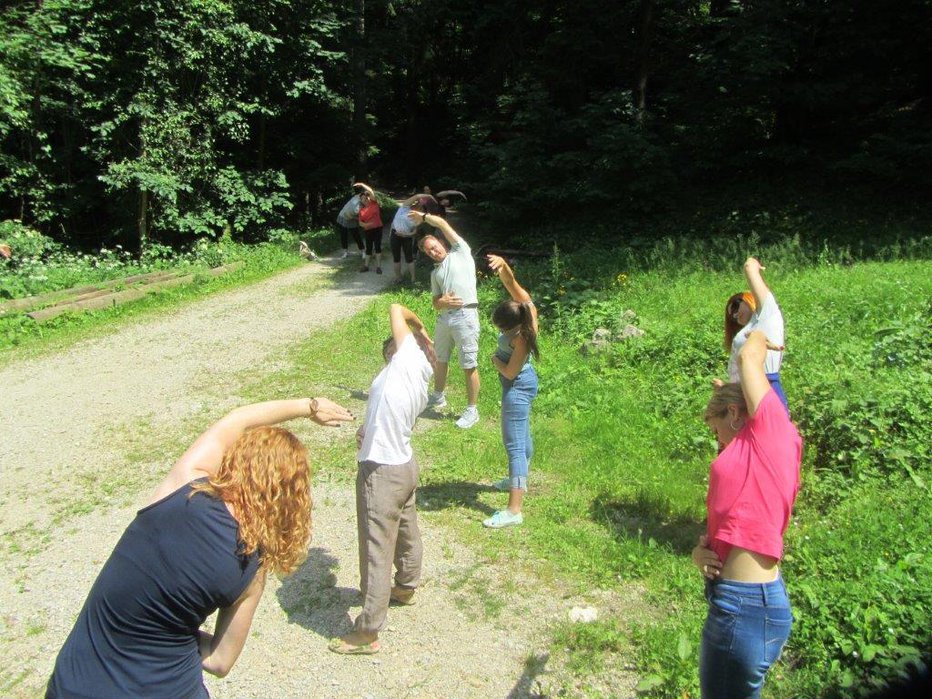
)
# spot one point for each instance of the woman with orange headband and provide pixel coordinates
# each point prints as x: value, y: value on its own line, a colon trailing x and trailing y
x: 758, y: 310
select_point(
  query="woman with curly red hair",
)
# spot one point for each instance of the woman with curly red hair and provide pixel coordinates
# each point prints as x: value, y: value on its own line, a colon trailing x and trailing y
x: 234, y: 507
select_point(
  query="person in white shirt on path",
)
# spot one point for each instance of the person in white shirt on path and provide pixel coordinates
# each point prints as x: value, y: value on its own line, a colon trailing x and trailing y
x: 386, y: 518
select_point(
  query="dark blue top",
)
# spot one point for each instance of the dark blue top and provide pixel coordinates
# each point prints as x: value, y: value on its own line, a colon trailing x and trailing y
x: 136, y: 636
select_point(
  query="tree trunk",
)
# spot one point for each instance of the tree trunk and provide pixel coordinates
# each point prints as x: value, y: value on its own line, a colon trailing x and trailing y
x: 642, y: 58
x: 142, y: 218
x: 359, y: 92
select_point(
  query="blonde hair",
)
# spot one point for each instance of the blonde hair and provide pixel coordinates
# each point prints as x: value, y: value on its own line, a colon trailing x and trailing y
x: 265, y: 476
x: 723, y: 396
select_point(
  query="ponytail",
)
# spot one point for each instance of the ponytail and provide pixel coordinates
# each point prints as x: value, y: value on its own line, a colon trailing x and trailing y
x: 527, y: 329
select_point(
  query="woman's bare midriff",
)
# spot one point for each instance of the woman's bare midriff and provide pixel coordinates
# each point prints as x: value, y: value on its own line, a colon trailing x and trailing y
x: 747, y: 566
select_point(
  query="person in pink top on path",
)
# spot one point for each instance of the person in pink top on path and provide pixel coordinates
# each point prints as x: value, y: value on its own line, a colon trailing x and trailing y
x: 752, y: 488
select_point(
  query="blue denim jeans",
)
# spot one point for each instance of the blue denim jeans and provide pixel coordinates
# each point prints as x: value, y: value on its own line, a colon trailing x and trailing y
x: 744, y: 633
x: 517, y: 396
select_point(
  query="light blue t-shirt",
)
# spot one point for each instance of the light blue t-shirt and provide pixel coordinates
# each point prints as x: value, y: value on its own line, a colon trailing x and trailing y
x: 456, y: 274
x: 401, y: 224
x: 348, y: 216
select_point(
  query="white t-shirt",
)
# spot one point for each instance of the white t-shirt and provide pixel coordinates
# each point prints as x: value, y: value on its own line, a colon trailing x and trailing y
x: 396, y: 397
x: 401, y: 224
x: 348, y: 216
x: 769, y: 320
x: 457, y: 274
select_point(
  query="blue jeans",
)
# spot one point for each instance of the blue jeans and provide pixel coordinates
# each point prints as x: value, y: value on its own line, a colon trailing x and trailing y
x: 744, y: 633
x: 777, y: 387
x: 517, y: 396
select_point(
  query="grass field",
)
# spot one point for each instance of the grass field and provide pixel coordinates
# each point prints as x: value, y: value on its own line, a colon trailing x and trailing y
x: 619, y: 477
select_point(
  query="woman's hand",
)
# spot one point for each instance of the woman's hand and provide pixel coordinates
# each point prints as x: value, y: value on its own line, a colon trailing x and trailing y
x: 752, y: 265
x: 706, y: 559
x: 496, y: 263
x: 360, y: 436
x: 326, y: 412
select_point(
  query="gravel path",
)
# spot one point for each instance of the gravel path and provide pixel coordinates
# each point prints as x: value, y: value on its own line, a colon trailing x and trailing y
x: 89, y: 431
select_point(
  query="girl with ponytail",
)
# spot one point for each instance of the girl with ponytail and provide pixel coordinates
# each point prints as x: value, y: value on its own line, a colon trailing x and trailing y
x: 516, y: 320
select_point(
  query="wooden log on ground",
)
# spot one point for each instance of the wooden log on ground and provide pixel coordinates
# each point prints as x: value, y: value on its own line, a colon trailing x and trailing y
x: 27, y: 303
x: 120, y: 297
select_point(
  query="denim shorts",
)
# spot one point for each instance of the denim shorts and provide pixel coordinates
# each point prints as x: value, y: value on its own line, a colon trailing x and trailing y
x: 744, y: 634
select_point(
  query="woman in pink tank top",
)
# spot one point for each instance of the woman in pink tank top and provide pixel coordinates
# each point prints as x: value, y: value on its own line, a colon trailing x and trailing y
x: 752, y: 487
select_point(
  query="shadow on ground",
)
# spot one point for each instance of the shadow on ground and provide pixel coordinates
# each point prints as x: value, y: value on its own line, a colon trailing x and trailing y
x: 644, y: 519
x: 440, y: 496
x: 525, y: 687
x: 311, y: 599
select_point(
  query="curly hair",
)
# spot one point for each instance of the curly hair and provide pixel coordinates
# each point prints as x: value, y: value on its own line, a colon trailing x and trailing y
x: 731, y: 325
x: 265, y: 476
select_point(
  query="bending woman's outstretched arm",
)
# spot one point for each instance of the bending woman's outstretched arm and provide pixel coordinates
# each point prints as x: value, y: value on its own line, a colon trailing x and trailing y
x: 203, y: 458
x: 517, y: 292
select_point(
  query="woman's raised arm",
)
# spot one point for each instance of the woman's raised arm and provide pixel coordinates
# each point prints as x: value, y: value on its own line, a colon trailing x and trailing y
x: 752, y: 272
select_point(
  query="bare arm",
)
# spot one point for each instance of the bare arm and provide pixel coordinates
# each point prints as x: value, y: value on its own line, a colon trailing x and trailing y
x: 220, y: 650
x: 516, y: 363
x: 754, y: 383
x: 404, y: 322
x: 441, y: 223
x: 204, y: 456
x: 517, y: 292
x: 366, y: 187
x: 752, y: 272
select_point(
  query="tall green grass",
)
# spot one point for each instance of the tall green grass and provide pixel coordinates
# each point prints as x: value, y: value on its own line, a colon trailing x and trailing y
x: 619, y: 477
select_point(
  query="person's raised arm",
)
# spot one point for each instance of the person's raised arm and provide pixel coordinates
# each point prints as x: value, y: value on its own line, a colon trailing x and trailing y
x: 437, y: 222
x: 754, y: 382
x: 220, y: 649
x: 416, y: 198
x: 752, y: 272
x: 404, y: 322
x: 366, y: 187
x: 205, y: 455
x: 517, y: 292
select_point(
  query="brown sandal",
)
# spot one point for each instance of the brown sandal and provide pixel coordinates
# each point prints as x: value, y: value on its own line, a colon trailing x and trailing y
x: 338, y: 645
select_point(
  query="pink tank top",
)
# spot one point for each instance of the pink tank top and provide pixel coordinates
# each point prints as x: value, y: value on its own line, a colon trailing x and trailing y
x: 753, y: 484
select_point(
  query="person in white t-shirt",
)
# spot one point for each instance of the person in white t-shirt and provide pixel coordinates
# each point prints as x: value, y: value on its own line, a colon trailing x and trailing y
x: 745, y: 313
x: 386, y: 518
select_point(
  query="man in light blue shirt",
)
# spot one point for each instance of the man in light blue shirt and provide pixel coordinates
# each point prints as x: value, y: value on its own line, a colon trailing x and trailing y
x: 453, y: 287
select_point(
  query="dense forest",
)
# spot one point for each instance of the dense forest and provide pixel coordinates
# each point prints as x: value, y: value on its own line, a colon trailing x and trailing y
x: 128, y: 121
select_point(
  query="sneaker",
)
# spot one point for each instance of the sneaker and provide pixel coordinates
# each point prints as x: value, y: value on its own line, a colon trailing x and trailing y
x: 437, y: 401
x: 503, y: 485
x: 364, y: 268
x: 502, y: 519
x: 344, y: 255
x: 469, y: 418
x: 378, y: 270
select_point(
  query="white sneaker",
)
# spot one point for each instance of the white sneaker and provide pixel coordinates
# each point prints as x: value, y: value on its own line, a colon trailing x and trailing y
x: 344, y: 255
x: 469, y: 418
x: 437, y: 401
x: 502, y: 519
